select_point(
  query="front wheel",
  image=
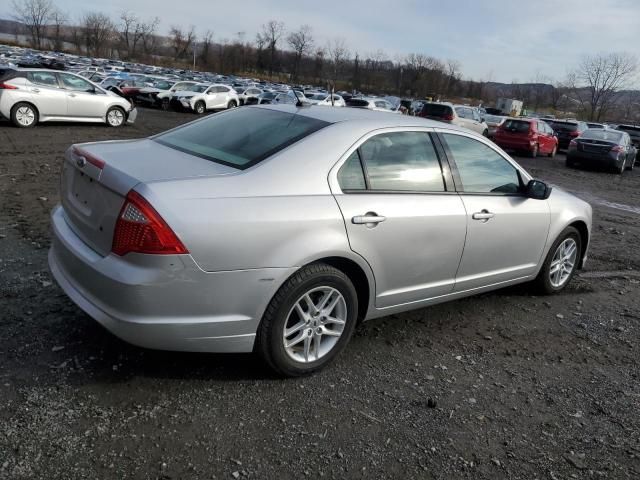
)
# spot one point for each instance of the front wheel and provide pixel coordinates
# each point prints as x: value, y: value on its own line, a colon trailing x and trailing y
x: 165, y: 104
x: 200, y: 107
x: 309, y: 321
x: 232, y: 104
x: 534, y: 153
x: 115, y: 117
x: 561, y: 262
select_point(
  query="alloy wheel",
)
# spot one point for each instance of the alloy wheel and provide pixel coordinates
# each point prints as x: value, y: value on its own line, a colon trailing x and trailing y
x: 314, y: 324
x: 563, y: 262
x: 25, y: 116
x: 115, y: 117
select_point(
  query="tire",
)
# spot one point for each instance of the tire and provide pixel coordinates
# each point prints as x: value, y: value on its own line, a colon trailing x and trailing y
x: 116, y: 117
x: 232, y: 104
x: 282, y: 313
x: 200, y: 107
x: 553, y: 152
x: 165, y: 104
x: 620, y: 170
x: 485, y: 134
x: 534, y: 153
x: 543, y: 282
x: 24, y: 115
x: 569, y: 163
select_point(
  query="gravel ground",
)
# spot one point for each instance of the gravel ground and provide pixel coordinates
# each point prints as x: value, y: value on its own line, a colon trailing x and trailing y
x: 504, y: 385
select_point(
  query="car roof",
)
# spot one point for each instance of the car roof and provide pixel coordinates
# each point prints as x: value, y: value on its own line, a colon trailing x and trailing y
x: 347, y: 115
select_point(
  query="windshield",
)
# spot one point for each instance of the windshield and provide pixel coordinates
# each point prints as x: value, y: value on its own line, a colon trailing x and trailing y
x: 162, y: 84
x: 564, y: 126
x: 599, y: 134
x: 516, y: 126
x: 317, y: 96
x: 241, y: 138
x: 436, y: 110
x: 199, y: 88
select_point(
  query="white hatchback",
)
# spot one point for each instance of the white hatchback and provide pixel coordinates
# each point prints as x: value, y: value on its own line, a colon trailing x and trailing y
x: 29, y: 96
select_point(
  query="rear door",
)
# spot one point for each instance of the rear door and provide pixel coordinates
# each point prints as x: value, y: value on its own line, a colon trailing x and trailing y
x: 83, y: 99
x: 506, y: 231
x: 46, y: 94
x: 402, y: 215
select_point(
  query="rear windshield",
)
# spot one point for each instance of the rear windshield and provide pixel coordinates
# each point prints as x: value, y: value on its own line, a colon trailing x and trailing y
x: 436, y: 110
x: 241, y: 137
x: 493, y: 118
x: 601, y: 134
x: 630, y: 129
x: 564, y: 126
x: 516, y: 126
x: 356, y: 102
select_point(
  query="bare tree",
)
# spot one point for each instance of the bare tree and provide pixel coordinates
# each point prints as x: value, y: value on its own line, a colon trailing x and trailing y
x: 270, y: 35
x: 98, y: 31
x: 339, y: 53
x: 301, y: 42
x: 58, y: 20
x: 205, y: 47
x: 133, y: 32
x: 598, y: 78
x: 181, y: 40
x: 34, y: 14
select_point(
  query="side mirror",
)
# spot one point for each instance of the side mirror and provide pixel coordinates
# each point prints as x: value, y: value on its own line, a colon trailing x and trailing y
x: 538, y: 190
x: 91, y: 90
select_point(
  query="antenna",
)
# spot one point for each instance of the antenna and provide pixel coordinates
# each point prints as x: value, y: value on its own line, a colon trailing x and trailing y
x: 298, y: 102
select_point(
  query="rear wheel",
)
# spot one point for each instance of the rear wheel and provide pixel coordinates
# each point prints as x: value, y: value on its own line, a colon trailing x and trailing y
x: 561, y: 262
x: 569, y: 163
x: 309, y: 321
x: 200, y: 107
x: 620, y: 170
x: 115, y: 117
x: 534, y: 153
x: 485, y: 133
x: 24, y: 115
x: 553, y: 152
x: 232, y: 104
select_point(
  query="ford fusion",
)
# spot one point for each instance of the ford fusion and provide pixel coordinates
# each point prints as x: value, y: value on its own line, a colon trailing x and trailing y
x: 276, y: 229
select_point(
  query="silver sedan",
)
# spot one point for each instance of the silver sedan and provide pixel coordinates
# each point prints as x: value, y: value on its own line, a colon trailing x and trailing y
x: 276, y: 229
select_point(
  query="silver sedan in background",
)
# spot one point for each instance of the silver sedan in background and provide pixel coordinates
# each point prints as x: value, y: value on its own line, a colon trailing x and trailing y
x: 30, y: 96
x: 276, y: 229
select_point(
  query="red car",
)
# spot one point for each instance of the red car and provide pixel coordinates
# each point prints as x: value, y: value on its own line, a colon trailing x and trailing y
x: 527, y: 134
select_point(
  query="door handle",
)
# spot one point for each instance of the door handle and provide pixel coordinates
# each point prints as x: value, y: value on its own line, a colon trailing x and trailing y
x: 484, y: 215
x: 368, y: 219
x: 35, y: 90
x: 72, y: 95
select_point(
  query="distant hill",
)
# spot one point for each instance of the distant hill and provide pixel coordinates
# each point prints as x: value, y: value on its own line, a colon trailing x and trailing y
x: 10, y: 26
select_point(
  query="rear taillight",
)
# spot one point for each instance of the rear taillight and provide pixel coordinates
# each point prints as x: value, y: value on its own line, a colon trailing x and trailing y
x: 574, y: 134
x: 573, y: 144
x: 617, y: 149
x: 141, y: 229
x: 448, y: 118
x: 6, y: 86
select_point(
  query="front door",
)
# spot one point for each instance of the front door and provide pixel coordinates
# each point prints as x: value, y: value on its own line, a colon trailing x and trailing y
x: 506, y: 231
x: 83, y: 99
x: 400, y: 218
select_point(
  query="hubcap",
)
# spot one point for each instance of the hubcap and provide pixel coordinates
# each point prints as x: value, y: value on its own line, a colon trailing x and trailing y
x: 563, y: 262
x: 314, y: 324
x: 115, y: 118
x: 25, y: 116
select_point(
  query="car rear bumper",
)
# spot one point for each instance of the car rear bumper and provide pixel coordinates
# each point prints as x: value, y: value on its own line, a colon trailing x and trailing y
x: 513, y: 144
x: 593, y: 159
x: 162, y: 301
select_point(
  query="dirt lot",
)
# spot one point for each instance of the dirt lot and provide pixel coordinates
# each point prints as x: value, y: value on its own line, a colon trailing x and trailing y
x: 505, y: 385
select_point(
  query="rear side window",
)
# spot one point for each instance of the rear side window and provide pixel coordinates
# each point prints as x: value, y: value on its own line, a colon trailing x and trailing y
x: 43, y: 78
x: 240, y: 137
x: 351, y: 175
x: 564, y: 126
x: 354, y: 102
x: 482, y: 169
x: 516, y: 126
x: 402, y: 162
x: 436, y: 110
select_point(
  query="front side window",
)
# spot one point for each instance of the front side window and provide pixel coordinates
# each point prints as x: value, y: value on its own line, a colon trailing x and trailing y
x: 77, y: 84
x: 481, y: 168
x: 402, y: 161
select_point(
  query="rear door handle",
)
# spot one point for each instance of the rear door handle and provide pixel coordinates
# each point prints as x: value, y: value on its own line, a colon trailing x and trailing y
x: 484, y: 215
x: 72, y: 94
x: 369, y: 218
x: 35, y: 90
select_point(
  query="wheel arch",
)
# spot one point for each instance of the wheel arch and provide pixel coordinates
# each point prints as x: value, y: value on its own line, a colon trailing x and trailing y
x: 28, y: 102
x: 583, y: 230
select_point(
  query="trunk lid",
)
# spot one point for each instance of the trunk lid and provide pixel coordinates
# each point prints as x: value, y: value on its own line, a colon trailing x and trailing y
x: 97, y: 177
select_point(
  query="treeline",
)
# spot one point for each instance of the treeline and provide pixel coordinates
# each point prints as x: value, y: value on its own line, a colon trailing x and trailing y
x: 295, y: 55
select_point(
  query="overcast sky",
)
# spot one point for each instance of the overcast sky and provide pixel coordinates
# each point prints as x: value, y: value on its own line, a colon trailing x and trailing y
x: 498, y: 40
